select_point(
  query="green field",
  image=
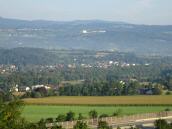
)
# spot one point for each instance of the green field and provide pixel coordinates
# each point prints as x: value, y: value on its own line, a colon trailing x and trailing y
x: 36, y: 112
x: 36, y: 109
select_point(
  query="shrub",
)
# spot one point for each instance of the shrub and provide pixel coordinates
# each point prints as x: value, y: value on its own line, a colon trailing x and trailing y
x: 103, y: 115
x: 49, y: 120
x: 103, y: 125
x: 27, y: 95
x: 118, y: 127
x: 60, y: 118
x: 168, y: 93
x: 167, y: 109
x: 117, y: 112
x: 70, y: 116
x: 161, y: 124
x: 42, y: 124
x: 80, y: 125
x: 93, y: 114
x: 36, y: 94
x: 80, y: 116
x: 57, y: 127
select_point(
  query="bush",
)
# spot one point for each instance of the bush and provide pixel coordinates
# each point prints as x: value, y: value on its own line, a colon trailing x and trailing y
x: 80, y: 117
x: 27, y: 95
x: 103, y: 125
x: 93, y: 114
x: 168, y: 93
x: 42, y: 124
x: 36, y: 94
x: 60, y: 118
x: 157, y: 91
x: 167, y: 109
x: 80, y: 125
x: 117, y: 112
x: 161, y: 124
x: 57, y: 127
x: 49, y: 120
x: 70, y: 116
x: 118, y: 127
x: 103, y: 115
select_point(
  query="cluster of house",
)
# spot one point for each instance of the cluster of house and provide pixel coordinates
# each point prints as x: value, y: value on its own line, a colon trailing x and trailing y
x: 107, y: 64
x: 7, y: 68
x: 27, y: 89
x: 104, y: 64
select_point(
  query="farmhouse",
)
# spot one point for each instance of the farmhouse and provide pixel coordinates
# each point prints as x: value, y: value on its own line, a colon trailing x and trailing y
x: 24, y: 89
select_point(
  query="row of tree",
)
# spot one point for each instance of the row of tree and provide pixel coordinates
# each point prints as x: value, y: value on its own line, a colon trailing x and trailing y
x: 105, y: 88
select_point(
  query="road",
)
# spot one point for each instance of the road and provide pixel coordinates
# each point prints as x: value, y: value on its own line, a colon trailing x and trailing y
x: 143, y: 123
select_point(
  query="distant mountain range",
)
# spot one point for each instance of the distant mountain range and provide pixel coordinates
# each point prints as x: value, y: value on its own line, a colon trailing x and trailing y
x: 92, y: 35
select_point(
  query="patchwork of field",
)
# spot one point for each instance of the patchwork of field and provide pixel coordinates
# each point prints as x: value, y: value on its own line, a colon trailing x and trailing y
x: 34, y: 113
x: 105, y: 100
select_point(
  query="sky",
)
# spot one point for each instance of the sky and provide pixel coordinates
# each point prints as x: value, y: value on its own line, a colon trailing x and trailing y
x: 131, y: 11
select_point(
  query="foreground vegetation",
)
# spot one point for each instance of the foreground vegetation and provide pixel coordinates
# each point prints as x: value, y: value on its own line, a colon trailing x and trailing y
x: 12, y: 116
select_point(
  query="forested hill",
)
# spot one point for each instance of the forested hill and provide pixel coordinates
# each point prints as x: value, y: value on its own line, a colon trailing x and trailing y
x: 38, y: 56
x: 92, y: 35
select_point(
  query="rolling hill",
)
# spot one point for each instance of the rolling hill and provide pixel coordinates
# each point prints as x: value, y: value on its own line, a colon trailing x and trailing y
x: 92, y: 35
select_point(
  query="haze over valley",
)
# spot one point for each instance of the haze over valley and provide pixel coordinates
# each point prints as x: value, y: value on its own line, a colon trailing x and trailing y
x: 88, y: 35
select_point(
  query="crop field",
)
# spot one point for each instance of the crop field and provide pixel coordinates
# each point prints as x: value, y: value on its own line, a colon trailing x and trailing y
x: 36, y: 109
x: 34, y: 113
x: 109, y: 100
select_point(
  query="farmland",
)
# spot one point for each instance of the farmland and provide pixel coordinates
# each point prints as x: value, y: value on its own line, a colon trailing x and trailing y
x: 36, y: 109
x: 108, y: 100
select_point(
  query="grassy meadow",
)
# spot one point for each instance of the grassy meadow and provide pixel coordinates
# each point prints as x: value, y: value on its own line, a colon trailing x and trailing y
x: 36, y: 112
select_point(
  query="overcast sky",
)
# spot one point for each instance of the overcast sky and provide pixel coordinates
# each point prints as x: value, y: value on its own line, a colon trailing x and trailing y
x: 132, y: 11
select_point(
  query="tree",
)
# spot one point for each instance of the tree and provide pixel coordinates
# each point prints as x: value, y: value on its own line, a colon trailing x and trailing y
x: 42, y: 91
x: 162, y: 124
x: 80, y: 125
x: 10, y: 115
x: 60, y: 118
x: 157, y: 91
x: 93, y: 114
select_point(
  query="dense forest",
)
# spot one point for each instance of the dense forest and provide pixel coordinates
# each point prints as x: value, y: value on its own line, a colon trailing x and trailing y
x: 36, y: 56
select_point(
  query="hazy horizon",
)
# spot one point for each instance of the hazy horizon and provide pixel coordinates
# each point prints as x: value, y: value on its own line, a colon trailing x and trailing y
x: 151, y: 12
